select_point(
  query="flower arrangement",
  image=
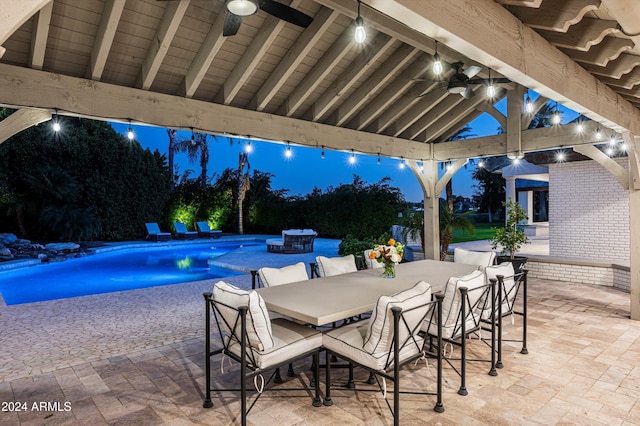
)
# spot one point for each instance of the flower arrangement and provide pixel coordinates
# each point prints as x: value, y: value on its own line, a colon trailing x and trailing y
x: 389, y: 255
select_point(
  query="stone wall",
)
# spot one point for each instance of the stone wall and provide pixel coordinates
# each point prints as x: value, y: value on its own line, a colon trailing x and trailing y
x: 580, y: 271
x: 588, y: 212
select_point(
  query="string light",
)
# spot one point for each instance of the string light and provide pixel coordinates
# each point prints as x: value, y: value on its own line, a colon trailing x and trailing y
x: 556, y: 116
x: 56, y: 123
x: 437, y: 63
x: 561, y: 156
x: 361, y: 34
x: 580, y: 127
x: 378, y: 159
x: 598, y: 134
x: 612, y: 139
x: 193, y: 138
x: 491, y: 89
x: 623, y: 147
x: 248, y: 148
x: 481, y: 164
x: 130, y: 134
x: 322, y: 153
x: 516, y: 161
x: 610, y: 151
x: 402, y: 163
x: 352, y: 159
x: 528, y: 105
x: 288, y: 152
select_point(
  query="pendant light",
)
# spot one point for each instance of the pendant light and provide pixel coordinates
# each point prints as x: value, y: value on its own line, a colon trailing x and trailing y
x: 361, y: 34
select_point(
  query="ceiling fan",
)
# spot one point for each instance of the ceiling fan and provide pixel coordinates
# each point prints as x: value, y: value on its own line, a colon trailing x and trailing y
x: 237, y: 9
x: 460, y: 81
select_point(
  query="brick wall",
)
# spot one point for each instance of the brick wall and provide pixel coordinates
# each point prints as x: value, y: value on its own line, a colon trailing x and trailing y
x: 588, y: 212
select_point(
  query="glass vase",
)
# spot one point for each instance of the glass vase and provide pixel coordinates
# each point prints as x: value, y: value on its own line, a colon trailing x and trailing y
x: 389, y: 270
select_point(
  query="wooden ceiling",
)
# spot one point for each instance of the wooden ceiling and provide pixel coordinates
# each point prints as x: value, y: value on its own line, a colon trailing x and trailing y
x: 166, y: 63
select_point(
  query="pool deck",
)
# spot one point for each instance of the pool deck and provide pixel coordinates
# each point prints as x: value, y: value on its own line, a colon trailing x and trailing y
x: 136, y: 357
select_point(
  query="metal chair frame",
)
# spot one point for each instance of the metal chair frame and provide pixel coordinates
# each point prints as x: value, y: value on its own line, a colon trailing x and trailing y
x: 248, y: 364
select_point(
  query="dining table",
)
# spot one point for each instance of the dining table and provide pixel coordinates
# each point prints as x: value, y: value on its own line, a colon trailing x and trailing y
x: 322, y: 301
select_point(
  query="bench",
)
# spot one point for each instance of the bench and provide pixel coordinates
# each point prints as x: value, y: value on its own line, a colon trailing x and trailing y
x: 293, y: 241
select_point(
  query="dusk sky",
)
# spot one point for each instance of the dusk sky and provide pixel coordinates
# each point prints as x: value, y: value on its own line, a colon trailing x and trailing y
x: 306, y: 169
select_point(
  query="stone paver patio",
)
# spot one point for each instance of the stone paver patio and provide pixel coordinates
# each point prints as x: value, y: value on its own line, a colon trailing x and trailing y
x: 137, y: 358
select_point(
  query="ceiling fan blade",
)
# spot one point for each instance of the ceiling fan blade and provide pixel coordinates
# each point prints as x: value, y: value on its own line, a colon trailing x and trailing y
x: 231, y: 24
x: 472, y: 70
x: 468, y: 93
x: 286, y: 13
x: 488, y: 81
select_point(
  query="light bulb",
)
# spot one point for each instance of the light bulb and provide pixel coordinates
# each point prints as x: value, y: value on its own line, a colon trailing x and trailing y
x: 580, y: 128
x: 491, y: 91
x: 56, y: 126
x: 322, y: 154
x: 288, y: 152
x: 556, y: 118
x: 361, y: 34
x: 352, y: 159
x: 402, y: 164
x: 242, y: 7
x: 437, y: 64
x: 528, y: 105
x: 561, y: 156
x: 610, y: 151
x: 378, y: 159
x: 248, y: 148
x: 516, y: 161
x: 480, y: 164
x: 130, y: 134
x: 612, y: 139
x: 623, y: 147
x: 598, y: 134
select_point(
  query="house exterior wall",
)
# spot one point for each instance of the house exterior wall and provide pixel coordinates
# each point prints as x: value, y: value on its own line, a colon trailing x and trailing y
x: 588, y: 212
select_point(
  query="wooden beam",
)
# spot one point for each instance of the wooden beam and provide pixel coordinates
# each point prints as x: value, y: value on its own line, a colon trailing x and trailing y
x: 603, y: 52
x: 21, y: 120
x: 202, y: 62
x: 367, y: 90
x: 104, y: 39
x: 320, y: 70
x: 427, y: 176
x: 432, y: 116
x: 462, y: 121
x: 533, y: 140
x: 449, y: 119
x: 101, y: 101
x: 555, y: 15
x: 629, y: 81
x: 251, y: 57
x: 16, y: 13
x: 516, y: 51
x: 583, y: 35
x: 495, y: 113
x: 40, y: 36
x: 389, y: 96
x: 616, y: 68
x: 454, y: 167
x: 169, y: 24
x: 295, y: 54
x: 515, y: 104
x: 379, y: 45
x: 605, y: 161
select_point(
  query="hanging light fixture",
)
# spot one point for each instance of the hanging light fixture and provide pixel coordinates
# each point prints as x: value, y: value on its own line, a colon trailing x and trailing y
x: 352, y: 159
x: 556, y: 116
x: 288, y: 152
x: 612, y: 139
x: 528, y: 105
x: 516, y: 161
x: 580, y: 127
x: 402, y: 163
x: 610, y: 151
x: 242, y: 7
x: 378, y: 159
x: 130, y: 134
x: 56, y: 124
x: 248, y: 148
x: 561, y: 156
x: 437, y: 63
x: 481, y: 163
x: 361, y: 34
x: 598, y: 134
x: 193, y: 138
x: 421, y: 165
x: 491, y: 89
x: 322, y: 153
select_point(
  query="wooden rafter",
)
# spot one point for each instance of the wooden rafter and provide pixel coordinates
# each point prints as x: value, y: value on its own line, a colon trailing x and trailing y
x: 40, y: 36
x: 555, y: 15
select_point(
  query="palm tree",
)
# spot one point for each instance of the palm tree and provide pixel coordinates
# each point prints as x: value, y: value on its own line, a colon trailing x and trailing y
x: 449, y: 221
x: 463, y: 133
x: 194, y: 147
x: 243, y: 186
x: 172, y: 147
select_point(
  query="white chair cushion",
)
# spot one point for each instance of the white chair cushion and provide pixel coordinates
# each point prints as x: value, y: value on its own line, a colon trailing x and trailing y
x: 347, y: 341
x: 480, y: 258
x: 290, y: 340
x: 371, y: 263
x: 452, y: 303
x: 285, y: 275
x: 329, y: 266
x: 508, y: 293
x: 258, y: 321
x: 380, y: 331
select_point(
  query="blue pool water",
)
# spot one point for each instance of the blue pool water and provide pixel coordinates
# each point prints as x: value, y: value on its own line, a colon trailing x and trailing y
x: 118, y: 270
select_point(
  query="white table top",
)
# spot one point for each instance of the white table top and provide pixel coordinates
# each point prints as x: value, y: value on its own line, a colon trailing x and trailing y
x: 324, y: 300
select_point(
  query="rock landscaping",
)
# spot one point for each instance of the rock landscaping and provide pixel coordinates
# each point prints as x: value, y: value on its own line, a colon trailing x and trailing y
x: 14, y: 248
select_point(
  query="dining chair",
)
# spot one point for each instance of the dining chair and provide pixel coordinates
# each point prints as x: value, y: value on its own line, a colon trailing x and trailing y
x: 509, y: 286
x: 269, y: 277
x: 389, y: 340
x: 465, y: 299
x: 470, y: 257
x: 256, y: 342
x: 330, y: 266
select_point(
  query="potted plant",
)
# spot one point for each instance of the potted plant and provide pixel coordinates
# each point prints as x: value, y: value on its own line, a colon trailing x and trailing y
x: 512, y: 236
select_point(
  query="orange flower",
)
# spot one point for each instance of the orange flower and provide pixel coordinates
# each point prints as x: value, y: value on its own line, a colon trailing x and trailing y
x: 391, y: 242
x: 372, y: 255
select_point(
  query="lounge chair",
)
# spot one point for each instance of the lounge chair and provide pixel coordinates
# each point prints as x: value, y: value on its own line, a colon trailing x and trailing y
x: 204, y: 231
x: 182, y: 233
x: 154, y: 233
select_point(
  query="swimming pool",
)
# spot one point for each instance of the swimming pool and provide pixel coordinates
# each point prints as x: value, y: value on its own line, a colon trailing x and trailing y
x: 124, y: 269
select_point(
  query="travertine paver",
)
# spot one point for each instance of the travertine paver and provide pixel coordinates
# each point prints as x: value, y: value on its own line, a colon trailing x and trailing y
x: 137, y: 358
